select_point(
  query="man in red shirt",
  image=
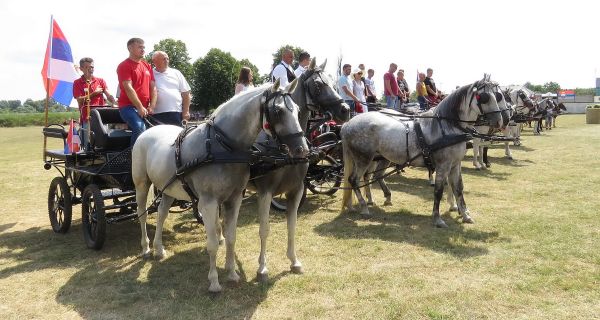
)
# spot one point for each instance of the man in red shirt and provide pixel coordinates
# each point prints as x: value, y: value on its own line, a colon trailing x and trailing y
x: 138, y: 91
x: 391, y: 89
x: 89, y: 91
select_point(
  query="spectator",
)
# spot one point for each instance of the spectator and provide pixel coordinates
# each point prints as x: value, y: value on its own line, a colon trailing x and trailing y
x: 358, y: 89
x: 138, y: 91
x: 403, y: 89
x: 303, y: 62
x: 89, y: 91
x: 432, y: 92
x: 391, y: 87
x: 422, y: 92
x: 345, y: 88
x: 173, y: 92
x: 370, y: 86
x: 283, y: 71
x: 244, y: 80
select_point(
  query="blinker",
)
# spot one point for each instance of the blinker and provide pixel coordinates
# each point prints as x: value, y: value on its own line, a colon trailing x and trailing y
x: 483, y: 97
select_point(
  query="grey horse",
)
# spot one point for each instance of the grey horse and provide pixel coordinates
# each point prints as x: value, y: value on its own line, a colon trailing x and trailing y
x: 229, y: 134
x: 369, y: 135
x: 313, y: 93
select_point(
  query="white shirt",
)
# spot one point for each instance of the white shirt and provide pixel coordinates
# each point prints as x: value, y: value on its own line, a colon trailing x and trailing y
x: 280, y: 73
x: 299, y: 71
x: 371, y: 84
x: 344, y: 81
x: 239, y: 88
x: 169, y: 84
x: 358, y: 88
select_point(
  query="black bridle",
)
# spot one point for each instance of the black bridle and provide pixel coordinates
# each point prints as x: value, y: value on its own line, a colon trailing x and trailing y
x: 268, y: 113
x: 314, y: 100
x: 483, y: 98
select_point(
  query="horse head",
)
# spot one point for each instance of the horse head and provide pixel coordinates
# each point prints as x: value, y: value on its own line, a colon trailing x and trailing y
x: 484, y: 101
x: 320, y: 96
x: 279, y: 115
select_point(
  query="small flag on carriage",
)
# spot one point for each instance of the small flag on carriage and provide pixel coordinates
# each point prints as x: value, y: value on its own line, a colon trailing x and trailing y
x: 73, y: 140
x: 59, y: 71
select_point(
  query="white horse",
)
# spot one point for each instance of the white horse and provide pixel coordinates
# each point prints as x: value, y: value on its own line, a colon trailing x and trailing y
x: 214, y: 165
x: 440, y: 139
x: 480, y: 146
x: 523, y: 107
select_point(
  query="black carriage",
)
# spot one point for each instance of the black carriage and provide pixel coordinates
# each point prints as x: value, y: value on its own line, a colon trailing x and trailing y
x: 98, y: 178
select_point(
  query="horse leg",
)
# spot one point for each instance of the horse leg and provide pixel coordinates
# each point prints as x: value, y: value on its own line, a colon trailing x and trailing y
x: 264, y: 204
x: 210, y: 213
x: 141, y: 195
x: 476, y: 164
x: 438, y: 191
x: 293, y: 201
x: 455, y: 180
x: 367, y: 177
x: 360, y: 168
x: 379, y: 172
x: 486, y: 161
x: 430, y: 177
x: 231, y: 209
x: 450, y: 197
x: 163, y: 212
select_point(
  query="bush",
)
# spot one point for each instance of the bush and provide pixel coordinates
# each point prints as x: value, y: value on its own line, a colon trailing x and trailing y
x: 35, y: 119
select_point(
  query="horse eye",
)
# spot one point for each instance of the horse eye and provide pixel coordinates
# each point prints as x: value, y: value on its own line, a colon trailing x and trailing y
x: 484, y: 97
x: 498, y: 96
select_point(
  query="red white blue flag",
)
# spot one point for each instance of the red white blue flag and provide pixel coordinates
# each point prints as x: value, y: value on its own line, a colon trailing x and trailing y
x: 59, y: 71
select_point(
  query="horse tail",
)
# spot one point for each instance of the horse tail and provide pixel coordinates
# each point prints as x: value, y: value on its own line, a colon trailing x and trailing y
x: 348, y: 168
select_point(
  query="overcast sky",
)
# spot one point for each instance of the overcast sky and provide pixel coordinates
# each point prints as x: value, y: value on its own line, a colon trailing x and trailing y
x: 515, y: 41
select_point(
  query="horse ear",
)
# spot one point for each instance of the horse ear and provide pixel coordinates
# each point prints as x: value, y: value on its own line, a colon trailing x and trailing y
x: 322, y: 67
x: 292, y: 86
x: 275, y: 86
x: 313, y: 63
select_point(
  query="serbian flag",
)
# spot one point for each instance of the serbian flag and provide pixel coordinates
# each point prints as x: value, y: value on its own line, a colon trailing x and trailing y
x: 73, y: 141
x: 59, y: 71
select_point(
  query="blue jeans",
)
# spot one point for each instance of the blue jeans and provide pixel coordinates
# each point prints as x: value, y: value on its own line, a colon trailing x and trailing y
x: 422, y: 102
x: 134, y: 121
x: 392, y: 102
x: 173, y: 118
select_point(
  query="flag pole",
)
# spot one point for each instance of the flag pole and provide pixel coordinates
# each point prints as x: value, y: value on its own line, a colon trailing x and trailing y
x: 49, y: 46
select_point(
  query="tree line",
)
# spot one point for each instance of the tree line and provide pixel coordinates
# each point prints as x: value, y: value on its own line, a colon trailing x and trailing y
x: 213, y: 77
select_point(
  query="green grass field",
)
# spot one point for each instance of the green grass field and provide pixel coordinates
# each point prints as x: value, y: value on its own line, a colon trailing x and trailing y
x: 532, y: 253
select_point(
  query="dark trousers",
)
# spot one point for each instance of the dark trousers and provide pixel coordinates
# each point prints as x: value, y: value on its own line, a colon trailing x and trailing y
x: 173, y: 118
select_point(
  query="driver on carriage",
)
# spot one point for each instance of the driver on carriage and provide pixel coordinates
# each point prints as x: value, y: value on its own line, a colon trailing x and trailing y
x: 89, y: 91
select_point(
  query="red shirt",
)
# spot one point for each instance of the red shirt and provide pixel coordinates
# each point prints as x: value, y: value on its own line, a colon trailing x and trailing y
x: 79, y: 89
x: 393, y: 84
x: 140, y: 74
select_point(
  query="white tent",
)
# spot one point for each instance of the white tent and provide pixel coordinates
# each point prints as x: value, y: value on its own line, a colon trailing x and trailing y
x: 549, y: 95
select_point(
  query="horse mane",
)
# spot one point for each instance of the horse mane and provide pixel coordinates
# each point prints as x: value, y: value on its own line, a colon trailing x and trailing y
x: 240, y: 99
x: 448, y: 108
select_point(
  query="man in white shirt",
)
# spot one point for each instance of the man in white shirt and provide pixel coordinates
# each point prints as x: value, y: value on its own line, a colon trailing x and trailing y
x: 283, y: 71
x: 370, y: 86
x: 173, y: 100
x: 345, y: 88
x: 303, y: 62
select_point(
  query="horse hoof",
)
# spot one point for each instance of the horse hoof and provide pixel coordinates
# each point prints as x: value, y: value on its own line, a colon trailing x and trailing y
x: 221, y: 241
x: 215, y: 288
x: 467, y: 219
x: 160, y: 255
x: 453, y: 208
x: 509, y: 157
x: 233, y: 277
x: 262, y: 277
x: 387, y: 202
x: 440, y: 224
x: 147, y: 255
x: 297, y: 269
x: 487, y: 165
x: 370, y: 203
x: 366, y: 215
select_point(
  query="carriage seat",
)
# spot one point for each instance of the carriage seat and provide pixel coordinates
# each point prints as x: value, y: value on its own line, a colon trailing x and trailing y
x: 102, y: 136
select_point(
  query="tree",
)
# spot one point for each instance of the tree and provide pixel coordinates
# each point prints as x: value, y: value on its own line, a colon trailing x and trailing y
x: 277, y: 55
x: 585, y: 91
x: 214, y: 79
x: 178, y: 56
x: 551, y: 87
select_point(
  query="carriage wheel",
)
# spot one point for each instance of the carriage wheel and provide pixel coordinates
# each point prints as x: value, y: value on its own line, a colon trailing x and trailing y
x: 59, y: 205
x: 93, y: 217
x: 279, y: 203
x: 325, y: 176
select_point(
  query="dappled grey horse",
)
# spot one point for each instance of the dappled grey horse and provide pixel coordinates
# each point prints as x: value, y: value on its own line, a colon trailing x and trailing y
x: 523, y: 107
x: 215, y: 160
x: 313, y: 93
x: 438, y: 141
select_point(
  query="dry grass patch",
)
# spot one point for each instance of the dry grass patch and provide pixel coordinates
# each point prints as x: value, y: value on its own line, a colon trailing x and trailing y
x: 531, y: 254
